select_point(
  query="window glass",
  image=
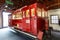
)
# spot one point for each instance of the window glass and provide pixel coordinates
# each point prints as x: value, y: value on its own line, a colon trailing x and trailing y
x: 13, y: 16
x: 39, y: 12
x: 33, y: 12
x: 46, y: 14
x: 54, y: 19
x: 43, y: 14
x: 27, y: 13
x: 18, y: 15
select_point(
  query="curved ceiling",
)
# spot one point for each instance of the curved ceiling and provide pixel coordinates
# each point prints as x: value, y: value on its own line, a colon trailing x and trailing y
x: 50, y: 4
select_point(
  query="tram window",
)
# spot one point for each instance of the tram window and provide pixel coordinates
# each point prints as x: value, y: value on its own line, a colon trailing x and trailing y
x: 33, y: 12
x: 23, y: 14
x: 27, y: 13
x: 46, y: 14
x: 39, y: 12
x: 43, y: 14
x: 13, y: 16
x: 18, y: 15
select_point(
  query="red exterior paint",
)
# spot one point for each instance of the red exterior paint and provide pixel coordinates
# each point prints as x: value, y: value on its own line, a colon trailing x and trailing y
x: 31, y: 23
x: 33, y: 19
x: 26, y: 26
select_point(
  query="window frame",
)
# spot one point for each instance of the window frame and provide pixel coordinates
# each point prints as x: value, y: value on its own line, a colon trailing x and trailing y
x: 54, y: 19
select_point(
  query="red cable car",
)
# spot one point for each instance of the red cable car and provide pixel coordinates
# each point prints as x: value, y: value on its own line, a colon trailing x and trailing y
x: 31, y: 19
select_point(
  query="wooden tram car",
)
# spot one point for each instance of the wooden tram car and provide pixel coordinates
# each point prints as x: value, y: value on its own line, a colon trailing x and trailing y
x: 31, y: 19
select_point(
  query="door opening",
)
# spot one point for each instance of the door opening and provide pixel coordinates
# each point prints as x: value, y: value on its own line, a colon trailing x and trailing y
x: 5, y: 19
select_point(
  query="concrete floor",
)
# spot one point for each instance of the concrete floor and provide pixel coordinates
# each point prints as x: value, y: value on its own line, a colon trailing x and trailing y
x: 55, y: 35
x: 7, y: 34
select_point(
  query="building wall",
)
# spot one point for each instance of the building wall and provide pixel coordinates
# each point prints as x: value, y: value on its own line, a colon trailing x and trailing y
x: 54, y: 12
x: 0, y: 19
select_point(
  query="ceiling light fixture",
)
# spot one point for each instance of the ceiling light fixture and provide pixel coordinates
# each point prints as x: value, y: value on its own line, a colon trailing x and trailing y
x: 6, y: 6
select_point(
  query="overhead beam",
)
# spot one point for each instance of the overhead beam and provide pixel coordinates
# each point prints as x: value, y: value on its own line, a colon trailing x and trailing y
x: 56, y: 4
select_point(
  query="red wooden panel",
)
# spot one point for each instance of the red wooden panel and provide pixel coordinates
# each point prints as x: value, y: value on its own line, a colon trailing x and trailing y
x: 34, y: 26
x: 33, y: 19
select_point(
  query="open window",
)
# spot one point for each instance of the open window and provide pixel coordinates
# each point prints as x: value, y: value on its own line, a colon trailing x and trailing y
x: 13, y: 16
x: 39, y: 12
x: 33, y: 12
x: 27, y: 13
x: 17, y: 15
x: 43, y: 12
x: 46, y: 14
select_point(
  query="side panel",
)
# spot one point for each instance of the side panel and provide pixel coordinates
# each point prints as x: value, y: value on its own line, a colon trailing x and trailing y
x: 26, y: 19
x: 33, y: 19
x: 34, y: 26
